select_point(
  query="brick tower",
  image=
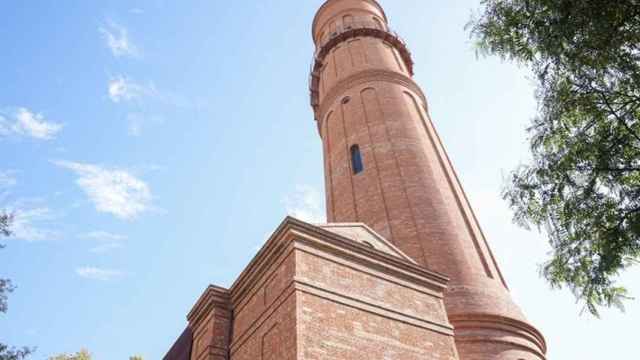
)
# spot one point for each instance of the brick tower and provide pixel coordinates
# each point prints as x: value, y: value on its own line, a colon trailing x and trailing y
x: 386, y: 167
x: 402, y: 270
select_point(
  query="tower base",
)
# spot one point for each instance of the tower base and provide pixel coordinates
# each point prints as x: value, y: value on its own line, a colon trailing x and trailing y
x: 487, y: 337
x: 337, y: 291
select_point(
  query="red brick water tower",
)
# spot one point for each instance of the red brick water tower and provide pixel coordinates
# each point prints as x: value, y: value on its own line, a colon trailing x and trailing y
x: 402, y: 270
x: 385, y: 166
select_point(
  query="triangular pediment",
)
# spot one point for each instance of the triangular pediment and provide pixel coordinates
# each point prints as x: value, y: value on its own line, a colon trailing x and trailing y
x: 363, y: 234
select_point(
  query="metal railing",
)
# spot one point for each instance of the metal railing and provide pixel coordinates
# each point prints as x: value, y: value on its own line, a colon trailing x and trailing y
x: 343, y: 33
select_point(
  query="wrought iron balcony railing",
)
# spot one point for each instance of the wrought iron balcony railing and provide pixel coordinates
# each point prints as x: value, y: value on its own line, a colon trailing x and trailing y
x: 343, y: 33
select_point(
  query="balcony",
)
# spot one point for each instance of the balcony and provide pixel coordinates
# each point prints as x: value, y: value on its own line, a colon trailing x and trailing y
x: 344, y: 33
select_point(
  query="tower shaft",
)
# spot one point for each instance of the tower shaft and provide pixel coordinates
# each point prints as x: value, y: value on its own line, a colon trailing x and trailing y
x: 386, y: 166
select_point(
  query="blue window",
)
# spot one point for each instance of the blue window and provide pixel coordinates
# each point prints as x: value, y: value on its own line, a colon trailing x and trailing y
x: 356, y: 160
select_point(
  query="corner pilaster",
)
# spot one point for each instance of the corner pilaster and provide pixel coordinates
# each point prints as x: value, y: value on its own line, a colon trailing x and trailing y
x: 210, y: 322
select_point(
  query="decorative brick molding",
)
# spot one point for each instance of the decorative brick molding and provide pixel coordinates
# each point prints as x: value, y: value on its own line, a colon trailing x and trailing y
x: 483, y: 329
x: 365, y: 77
x: 363, y: 29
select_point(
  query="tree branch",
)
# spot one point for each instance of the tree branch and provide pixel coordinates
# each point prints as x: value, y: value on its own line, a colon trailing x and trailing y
x: 615, y: 114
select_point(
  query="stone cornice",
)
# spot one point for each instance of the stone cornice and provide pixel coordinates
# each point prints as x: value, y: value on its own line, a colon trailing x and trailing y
x: 266, y: 257
x: 213, y: 297
x: 362, y: 77
x: 357, y: 253
x: 293, y: 230
x: 379, y: 237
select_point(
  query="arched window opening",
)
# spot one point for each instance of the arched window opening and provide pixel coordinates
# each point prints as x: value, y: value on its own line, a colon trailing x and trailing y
x: 333, y: 29
x: 347, y: 22
x: 356, y: 160
x: 378, y: 23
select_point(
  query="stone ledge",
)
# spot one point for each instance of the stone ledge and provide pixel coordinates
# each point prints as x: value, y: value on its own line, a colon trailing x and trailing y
x: 465, y: 324
x: 292, y: 230
x: 213, y: 296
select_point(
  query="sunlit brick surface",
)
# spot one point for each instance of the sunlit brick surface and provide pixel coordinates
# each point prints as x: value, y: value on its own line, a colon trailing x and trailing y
x: 403, y: 270
x: 408, y: 191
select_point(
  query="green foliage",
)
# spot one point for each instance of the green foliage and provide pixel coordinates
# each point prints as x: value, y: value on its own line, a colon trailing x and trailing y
x: 582, y: 186
x: 5, y: 224
x: 14, y: 354
x: 6, y: 287
x: 136, y: 357
x: 81, y: 355
x: 5, y: 284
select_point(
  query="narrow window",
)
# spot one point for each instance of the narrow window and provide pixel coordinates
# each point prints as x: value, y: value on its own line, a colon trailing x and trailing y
x: 356, y: 160
x: 347, y: 22
x: 378, y: 23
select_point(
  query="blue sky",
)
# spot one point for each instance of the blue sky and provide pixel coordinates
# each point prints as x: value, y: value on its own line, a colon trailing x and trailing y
x: 151, y: 146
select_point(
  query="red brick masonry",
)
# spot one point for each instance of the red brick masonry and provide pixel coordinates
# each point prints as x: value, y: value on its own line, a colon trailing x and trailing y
x: 363, y: 95
x: 352, y: 291
x: 311, y: 293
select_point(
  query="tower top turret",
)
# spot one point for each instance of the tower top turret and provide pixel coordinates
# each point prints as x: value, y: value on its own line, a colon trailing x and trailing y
x: 333, y: 8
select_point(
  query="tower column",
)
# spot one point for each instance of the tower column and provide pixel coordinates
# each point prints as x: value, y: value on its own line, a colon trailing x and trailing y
x: 385, y: 166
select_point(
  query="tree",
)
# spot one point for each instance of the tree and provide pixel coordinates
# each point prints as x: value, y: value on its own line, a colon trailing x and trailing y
x: 5, y: 284
x: 81, y: 355
x: 582, y: 186
x: 136, y: 357
x: 7, y: 353
x: 5, y: 224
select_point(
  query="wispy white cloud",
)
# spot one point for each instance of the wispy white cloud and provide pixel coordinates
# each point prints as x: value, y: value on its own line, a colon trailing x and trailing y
x: 106, y: 241
x: 112, y: 191
x: 24, y: 122
x: 103, y: 236
x: 137, y: 122
x: 106, y: 247
x: 138, y: 96
x: 95, y: 273
x: 32, y: 220
x: 305, y: 203
x: 122, y: 89
x: 7, y: 179
x: 25, y: 225
x: 117, y: 39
